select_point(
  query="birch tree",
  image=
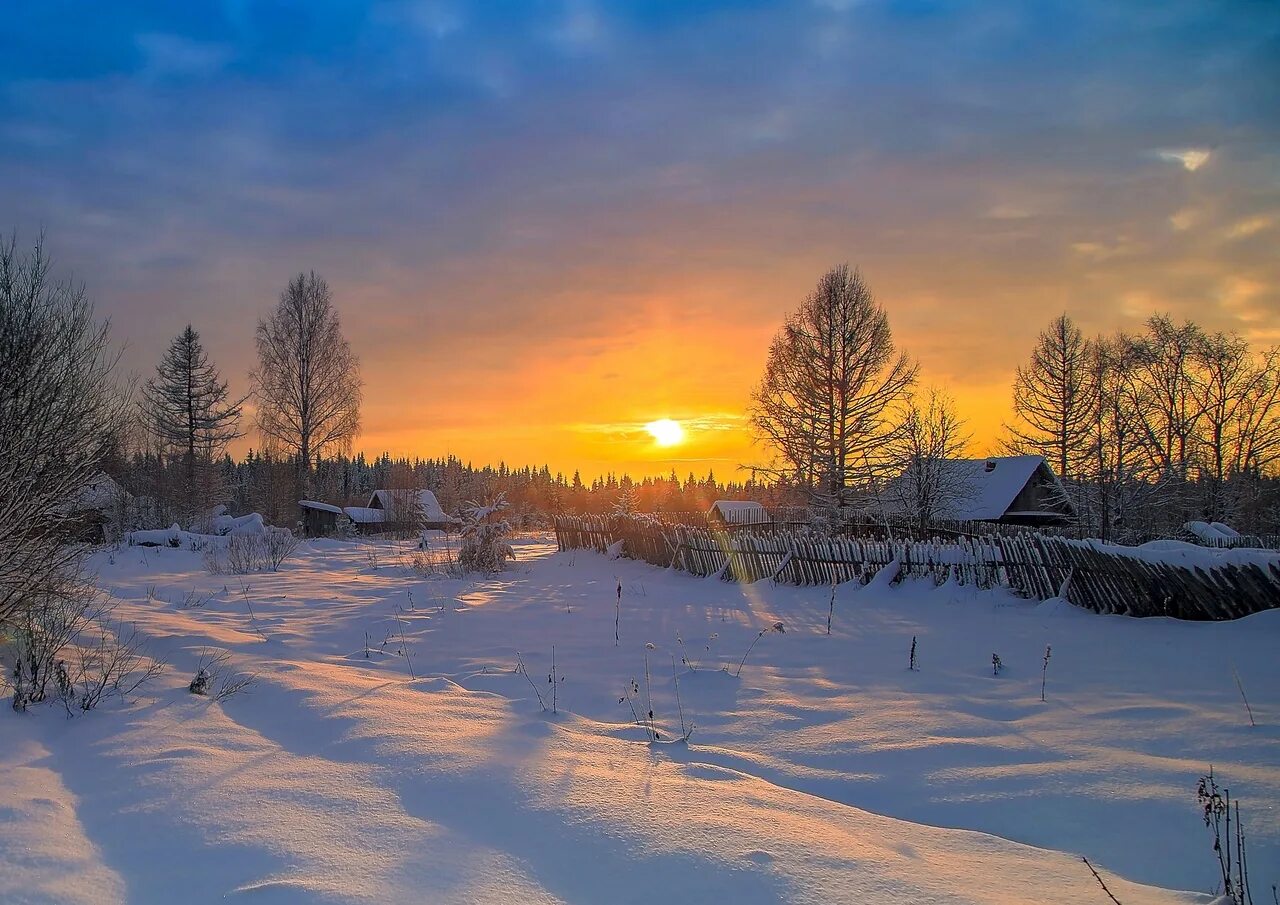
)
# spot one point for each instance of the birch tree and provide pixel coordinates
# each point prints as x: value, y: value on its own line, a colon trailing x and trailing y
x: 307, y: 386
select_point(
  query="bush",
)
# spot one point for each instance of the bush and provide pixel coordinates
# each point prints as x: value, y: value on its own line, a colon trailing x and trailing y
x: 245, y: 553
x: 484, y: 537
x: 54, y: 660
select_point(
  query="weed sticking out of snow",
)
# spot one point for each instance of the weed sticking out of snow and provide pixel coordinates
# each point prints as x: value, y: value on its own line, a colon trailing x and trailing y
x: 214, y: 680
x: 523, y: 670
x: 629, y: 697
x: 404, y: 645
x: 1216, y: 805
x: 1244, y: 697
x: 775, y: 627
x: 1044, y: 671
x: 996, y: 664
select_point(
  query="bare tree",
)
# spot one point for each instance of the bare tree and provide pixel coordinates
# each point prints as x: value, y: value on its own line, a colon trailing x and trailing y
x: 1238, y: 394
x: 189, y: 411
x: 1164, y: 384
x: 307, y: 385
x: 60, y: 412
x: 931, y: 482
x: 1054, y: 401
x: 1108, y: 493
x: 833, y: 376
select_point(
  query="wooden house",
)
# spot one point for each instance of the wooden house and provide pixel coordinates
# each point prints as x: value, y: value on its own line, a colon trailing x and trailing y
x: 1011, y: 490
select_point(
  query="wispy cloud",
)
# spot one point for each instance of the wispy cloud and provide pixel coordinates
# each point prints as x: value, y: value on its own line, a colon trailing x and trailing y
x: 1191, y: 159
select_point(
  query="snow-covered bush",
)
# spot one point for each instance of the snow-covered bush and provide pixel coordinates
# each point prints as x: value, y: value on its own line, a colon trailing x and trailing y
x: 214, y: 681
x: 241, y: 554
x: 484, y: 537
x: 278, y: 544
x: 52, y: 659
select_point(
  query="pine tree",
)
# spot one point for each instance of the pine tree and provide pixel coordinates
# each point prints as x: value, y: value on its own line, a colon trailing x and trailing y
x: 189, y: 410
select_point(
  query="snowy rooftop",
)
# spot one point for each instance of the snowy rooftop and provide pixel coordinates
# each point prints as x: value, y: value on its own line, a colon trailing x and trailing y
x: 984, y: 489
x: 363, y: 515
x: 324, y: 507
x: 428, y: 506
x: 739, y: 511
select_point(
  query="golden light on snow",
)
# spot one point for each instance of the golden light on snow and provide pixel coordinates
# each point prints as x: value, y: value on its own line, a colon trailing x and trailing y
x: 665, y: 431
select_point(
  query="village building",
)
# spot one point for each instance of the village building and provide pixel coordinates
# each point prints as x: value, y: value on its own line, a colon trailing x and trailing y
x: 737, y: 512
x: 1010, y: 490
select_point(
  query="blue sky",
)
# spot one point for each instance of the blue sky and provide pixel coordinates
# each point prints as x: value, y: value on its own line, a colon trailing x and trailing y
x: 509, y: 196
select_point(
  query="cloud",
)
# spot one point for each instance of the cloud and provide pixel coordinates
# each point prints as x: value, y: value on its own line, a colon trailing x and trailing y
x: 1191, y: 159
x: 521, y: 205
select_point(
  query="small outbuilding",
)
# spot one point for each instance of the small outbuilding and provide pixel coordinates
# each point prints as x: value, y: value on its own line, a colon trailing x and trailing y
x: 320, y: 519
x: 410, y: 509
x: 737, y: 512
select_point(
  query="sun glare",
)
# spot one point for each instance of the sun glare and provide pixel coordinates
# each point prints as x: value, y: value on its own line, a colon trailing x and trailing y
x: 665, y: 431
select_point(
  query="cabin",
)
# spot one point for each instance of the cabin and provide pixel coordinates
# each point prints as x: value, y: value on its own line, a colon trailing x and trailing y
x: 1008, y: 490
x: 320, y: 519
x: 737, y: 512
x: 94, y: 511
x: 410, y: 509
x: 386, y: 511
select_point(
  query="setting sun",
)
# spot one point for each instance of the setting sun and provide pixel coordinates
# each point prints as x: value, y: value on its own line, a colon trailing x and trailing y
x: 665, y: 431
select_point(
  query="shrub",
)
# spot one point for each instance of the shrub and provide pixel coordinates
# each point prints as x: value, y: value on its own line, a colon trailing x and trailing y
x: 484, y: 537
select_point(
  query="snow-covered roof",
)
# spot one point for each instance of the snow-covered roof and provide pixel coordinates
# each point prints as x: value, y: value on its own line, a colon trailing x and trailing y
x: 428, y: 506
x: 98, y: 493
x: 739, y: 512
x: 1212, y: 531
x: 363, y: 515
x: 978, y: 490
x: 324, y: 507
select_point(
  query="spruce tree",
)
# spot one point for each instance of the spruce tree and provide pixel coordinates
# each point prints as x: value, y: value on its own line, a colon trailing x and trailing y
x: 190, y: 412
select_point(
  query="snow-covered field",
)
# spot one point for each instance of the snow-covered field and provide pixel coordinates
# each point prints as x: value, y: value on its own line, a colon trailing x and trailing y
x: 826, y: 772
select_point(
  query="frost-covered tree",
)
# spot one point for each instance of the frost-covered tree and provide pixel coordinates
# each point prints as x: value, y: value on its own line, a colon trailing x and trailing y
x: 484, y: 536
x: 628, y: 502
x: 932, y: 438
x: 1054, y: 399
x: 191, y: 414
x: 60, y: 413
x: 307, y: 386
x: 825, y: 404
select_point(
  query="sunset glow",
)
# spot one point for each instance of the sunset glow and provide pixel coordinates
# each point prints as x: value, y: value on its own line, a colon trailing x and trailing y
x: 665, y: 431
x: 544, y: 225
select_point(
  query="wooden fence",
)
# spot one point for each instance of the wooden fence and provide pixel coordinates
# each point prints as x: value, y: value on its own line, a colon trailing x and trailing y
x: 1104, y: 579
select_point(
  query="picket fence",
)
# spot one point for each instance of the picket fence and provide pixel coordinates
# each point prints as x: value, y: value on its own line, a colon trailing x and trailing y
x: 1105, y: 580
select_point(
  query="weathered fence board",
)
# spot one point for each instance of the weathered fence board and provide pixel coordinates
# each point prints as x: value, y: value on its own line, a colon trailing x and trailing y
x: 1112, y: 580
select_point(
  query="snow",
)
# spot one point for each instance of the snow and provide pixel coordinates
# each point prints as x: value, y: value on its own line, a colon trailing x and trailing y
x: 1180, y: 553
x: 739, y: 512
x: 99, y: 494
x: 428, y: 506
x: 363, y: 515
x: 323, y: 507
x: 1212, y: 531
x: 977, y: 493
x: 221, y: 526
x: 827, y: 772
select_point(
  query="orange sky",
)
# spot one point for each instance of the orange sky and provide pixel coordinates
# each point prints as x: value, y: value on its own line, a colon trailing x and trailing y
x: 546, y: 225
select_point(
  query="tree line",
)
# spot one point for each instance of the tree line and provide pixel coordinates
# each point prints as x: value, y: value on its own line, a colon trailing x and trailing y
x: 1154, y: 428
x: 1146, y: 430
